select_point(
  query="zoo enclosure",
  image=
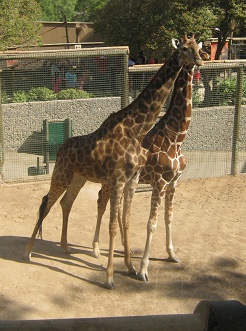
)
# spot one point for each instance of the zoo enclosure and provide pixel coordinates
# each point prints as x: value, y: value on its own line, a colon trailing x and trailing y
x: 50, y: 95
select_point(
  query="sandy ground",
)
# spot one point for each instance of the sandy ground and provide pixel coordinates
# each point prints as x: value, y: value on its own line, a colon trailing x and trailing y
x: 209, y: 232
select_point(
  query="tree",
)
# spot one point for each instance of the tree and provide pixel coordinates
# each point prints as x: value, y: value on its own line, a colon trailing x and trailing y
x: 144, y: 24
x: 57, y: 10
x: 231, y: 19
x: 86, y: 9
x: 19, y: 23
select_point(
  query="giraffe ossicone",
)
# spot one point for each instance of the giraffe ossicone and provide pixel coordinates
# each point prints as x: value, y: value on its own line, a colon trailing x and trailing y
x: 114, y: 155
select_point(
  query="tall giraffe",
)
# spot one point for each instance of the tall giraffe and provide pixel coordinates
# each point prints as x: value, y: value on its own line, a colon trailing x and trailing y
x: 113, y: 154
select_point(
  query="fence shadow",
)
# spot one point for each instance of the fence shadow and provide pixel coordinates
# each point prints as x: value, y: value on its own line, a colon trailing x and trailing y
x: 32, y: 144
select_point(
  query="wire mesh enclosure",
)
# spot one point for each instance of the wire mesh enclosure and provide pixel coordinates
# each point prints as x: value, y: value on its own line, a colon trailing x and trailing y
x: 47, y: 97
x: 216, y: 143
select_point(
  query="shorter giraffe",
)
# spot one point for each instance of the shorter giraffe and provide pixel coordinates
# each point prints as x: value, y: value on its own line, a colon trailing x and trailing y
x: 113, y: 154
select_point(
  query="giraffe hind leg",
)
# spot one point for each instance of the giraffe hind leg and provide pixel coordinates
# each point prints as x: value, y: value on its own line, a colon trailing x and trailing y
x: 66, y: 204
x: 47, y: 202
x: 37, y: 227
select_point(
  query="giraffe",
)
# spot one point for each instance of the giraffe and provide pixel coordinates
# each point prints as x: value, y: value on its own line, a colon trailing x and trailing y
x: 165, y: 161
x: 113, y: 154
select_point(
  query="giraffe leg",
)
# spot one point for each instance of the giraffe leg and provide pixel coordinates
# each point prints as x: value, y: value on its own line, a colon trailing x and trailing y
x: 47, y: 202
x: 66, y: 204
x: 103, y: 197
x: 157, y: 195
x: 116, y: 191
x: 169, y: 198
x: 58, y: 185
x: 120, y: 221
x: 129, y: 191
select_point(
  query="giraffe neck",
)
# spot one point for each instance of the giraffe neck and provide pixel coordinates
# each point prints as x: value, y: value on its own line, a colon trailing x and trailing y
x: 175, y: 123
x: 144, y: 110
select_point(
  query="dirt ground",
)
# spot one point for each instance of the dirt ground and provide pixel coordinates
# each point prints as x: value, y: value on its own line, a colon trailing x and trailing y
x: 209, y: 232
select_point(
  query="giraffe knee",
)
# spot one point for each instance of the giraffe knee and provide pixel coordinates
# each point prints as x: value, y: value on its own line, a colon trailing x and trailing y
x: 152, y: 227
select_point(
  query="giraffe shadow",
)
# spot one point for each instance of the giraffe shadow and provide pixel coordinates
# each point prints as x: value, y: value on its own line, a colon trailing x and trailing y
x: 50, y: 255
x: 12, y: 248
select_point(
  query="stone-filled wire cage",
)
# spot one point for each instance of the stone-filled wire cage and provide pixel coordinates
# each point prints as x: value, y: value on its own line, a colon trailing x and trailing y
x: 48, y: 96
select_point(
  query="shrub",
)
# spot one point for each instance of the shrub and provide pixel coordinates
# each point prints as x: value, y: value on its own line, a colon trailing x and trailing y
x: 72, y: 94
x: 40, y: 94
x: 5, y: 98
x: 226, y: 90
x: 19, y: 96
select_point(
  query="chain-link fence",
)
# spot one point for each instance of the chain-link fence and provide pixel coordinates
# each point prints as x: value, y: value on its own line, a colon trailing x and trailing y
x: 49, y: 96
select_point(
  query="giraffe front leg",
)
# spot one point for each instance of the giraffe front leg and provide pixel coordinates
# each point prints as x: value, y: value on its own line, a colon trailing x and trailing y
x: 169, y: 198
x: 157, y: 195
x: 116, y: 191
x: 126, y: 217
x: 103, y: 197
x: 143, y: 273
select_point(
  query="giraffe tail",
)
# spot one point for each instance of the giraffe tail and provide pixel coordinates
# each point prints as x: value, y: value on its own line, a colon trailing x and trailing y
x: 41, y: 214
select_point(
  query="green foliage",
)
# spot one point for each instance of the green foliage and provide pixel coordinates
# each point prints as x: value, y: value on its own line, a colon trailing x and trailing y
x: 56, y: 10
x: 86, y: 10
x: 40, y: 94
x: 231, y: 20
x: 150, y: 25
x: 226, y: 90
x: 142, y: 24
x: 19, y: 23
x: 5, y: 97
x: 73, y: 94
x: 196, y: 97
x: 45, y: 94
x: 19, y: 96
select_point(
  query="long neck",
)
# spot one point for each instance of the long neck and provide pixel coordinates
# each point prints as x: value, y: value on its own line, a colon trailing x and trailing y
x: 144, y: 110
x: 175, y: 123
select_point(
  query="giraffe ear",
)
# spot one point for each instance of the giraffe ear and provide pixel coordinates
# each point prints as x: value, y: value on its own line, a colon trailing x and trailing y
x: 175, y: 43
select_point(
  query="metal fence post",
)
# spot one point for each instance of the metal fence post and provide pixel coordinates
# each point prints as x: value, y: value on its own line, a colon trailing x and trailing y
x: 125, y: 85
x: 237, y: 116
x: 1, y: 131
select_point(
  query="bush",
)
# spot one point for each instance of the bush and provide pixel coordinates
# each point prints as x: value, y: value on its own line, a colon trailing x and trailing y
x: 40, y: 94
x: 73, y: 94
x: 5, y: 98
x: 226, y: 90
x: 19, y: 96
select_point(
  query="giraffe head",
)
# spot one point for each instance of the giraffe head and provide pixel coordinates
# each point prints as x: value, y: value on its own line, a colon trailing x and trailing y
x: 189, y: 51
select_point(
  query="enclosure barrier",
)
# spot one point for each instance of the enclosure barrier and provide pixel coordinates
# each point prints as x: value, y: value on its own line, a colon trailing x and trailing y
x: 81, y: 88
x: 208, y: 316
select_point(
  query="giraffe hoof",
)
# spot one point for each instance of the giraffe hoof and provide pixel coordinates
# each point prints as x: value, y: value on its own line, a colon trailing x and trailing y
x: 132, y: 272
x: 96, y: 250
x: 96, y: 255
x: 173, y: 259
x: 66, y: 248
x: 27, y: 257
x: 142, y: 277
x: 110, y: 286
